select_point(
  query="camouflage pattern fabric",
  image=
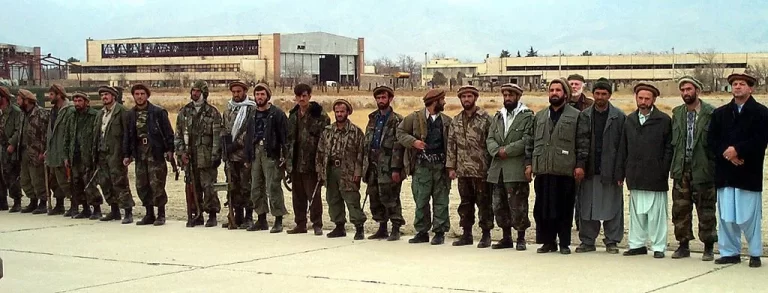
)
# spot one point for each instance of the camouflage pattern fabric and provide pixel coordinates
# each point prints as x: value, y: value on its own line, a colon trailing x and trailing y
x: 467, y: 152
x: 475, y: 192
x: 510, y: 205
x: 684, y: 196
x: 341, y: 149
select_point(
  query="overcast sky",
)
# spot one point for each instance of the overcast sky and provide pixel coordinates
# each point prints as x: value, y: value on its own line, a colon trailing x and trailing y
x: 467, y: 29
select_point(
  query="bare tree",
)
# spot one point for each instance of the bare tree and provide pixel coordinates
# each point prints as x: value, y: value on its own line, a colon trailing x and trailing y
x: 409, y: 64
x: 386, y: 66
x: 438, y: 55
x: 712, y: 71
x: 297, y: 73
x: 760, y: 72
x: 246, y: 77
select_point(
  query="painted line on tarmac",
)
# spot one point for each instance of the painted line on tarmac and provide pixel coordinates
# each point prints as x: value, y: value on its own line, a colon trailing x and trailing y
x: 716, y: 269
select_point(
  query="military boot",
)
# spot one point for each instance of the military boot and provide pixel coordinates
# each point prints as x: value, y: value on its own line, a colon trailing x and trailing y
x: 199, y: 220
x: 160, y: 216
x: 31, y: 207
x: 709, y: 252
x: 381, y: 233
x: 465, y: 239
x: 73, y: 209
x: 41, y: 207
x: 337, y: 232
x: 682, y: 251
x: 438, y: 239
x: 16, y: 206
x: 211, y: 220
x: 248, y: 221
x: 520, y: 241
x: 359, y: 232
x: 113, y: 215
x: 754, y: 262
x: 485, y: 239
x: 395, y: 235
x: 506, y: 239
x: 149, y: 217
x: 255, y: 226
x: 58, y: 209
x: 299, y: 229
x: 262, y: 223
x: 86, y: 213
x: 3, y: 202
x: 278, y: 226
x: 128, y: 216
x: 96, y: 212
x: 420, y: 237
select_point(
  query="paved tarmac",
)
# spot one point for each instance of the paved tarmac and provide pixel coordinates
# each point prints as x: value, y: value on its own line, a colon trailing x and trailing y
x: 56, y: 254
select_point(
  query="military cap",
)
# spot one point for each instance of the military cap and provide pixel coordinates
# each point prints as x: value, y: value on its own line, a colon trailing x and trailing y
x: 81, y: 95
x: 263, y: 87
x: 434, y: 95
x: 27, y: 95
x: 108, y: 89
x: 576, y: 77
x: 200, y: 85
x: 751, y: 81
x: 647, y: 87
x: 140, y: 86
x: 566, y: 86
x: 345, y: 102
x: 512, y: 88
x: 468, y: 89
x: 58, y: 89
x: 383, y: 88
x: 5, y: 93
x: 603, y: 84
x: 689, y: 79
x: 238, y: 83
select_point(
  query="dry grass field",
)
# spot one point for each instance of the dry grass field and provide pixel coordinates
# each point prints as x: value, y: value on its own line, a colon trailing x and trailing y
x: 363, y: 103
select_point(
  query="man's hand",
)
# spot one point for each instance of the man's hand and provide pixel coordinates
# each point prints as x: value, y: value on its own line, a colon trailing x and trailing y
x: 730, y: 153
x: 287, y: 180
x: 11, y: 149
x: 247, y: 165
x: 66, y: 164
x: 452, y: 174
x: 396, y: 177
x: 578, y: 174
x: 502, y: 154
x: 357, y: 179
x: 736, y: 161
x: 41, y: 157
x: 169, y: 156
x: 528, y: 173
x: 127, y: 162
x: 420, y: 145
x: 184, y: 160
x: 620, y: 182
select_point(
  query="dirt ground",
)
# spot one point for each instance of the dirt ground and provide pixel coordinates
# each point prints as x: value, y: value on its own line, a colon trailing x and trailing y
x: 404, y: 105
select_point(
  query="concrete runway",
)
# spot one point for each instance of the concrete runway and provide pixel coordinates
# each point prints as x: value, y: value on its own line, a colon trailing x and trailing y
x: 55, y: 254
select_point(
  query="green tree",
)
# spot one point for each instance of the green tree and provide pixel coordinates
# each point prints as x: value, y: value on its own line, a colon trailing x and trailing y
x: 439, y: 78
x: 505, y: 54
x: 532, y: 53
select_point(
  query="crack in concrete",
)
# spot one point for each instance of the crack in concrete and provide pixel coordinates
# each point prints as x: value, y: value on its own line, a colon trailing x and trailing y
x: 101, y: 259
x: 717, y: 269
x: 127, y: 280
x: 47, y: 227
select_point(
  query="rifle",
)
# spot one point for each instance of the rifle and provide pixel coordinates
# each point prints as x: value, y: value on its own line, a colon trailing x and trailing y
x: 225, y: 157
x: 172, y: 160
x: 312, y: 197
x: 191, y: 193
x: 47, y: 190
x: 92, y: 177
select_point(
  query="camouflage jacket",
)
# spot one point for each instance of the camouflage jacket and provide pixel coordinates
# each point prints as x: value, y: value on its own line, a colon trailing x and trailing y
x: 413, y: 128
x: 240, y: 148
x: 81, y: 137
x: 390, y: 153
x: 197, y: 134
x: 57, y: 144
x: 303, y: 136
x: 111, y: 141
x: 348, y: 143
x: 34, y: 128
x: 10, y: 123
x: 467, y: 152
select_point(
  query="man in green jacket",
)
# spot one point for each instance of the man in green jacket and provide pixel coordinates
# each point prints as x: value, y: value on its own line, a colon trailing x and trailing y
x: 81, y: 158
x: 31, y: 147
x: 57, y: 149
x: 693, y: 171
x: 508, y: 136
x: 10, y: 124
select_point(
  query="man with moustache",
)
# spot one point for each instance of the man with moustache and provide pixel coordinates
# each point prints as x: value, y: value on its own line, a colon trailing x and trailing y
x: 10, y: 124
x: 557, y: 156
x: 508, y: 135
x: 31, y: 144
x: 306, y: 122
x: 340, y: 167
x: 198, y: 128
x: 646, y: 149
x: 693, y: 171
x: 267, y: 161
x: 80, y: 157
x: 383, y: 165
x: 149, y: 141
x: 56, y: 149
x: 601, y: 196
x: 738, y: 137
x: 239, y: 147
x: 467, y: 159
x: 424, y: 135
x: 112, y: 174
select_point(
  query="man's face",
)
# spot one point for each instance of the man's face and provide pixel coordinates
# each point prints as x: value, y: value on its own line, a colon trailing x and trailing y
x: 645, y: 100
x: 468, y: 101
x: 341, y: 113
x: 20, y: 101
x: 510, y: 98
x: 80, y: 103
x: 382, y: 100
x: 238, y: 94
x: 741, y: 89
x: 53, y: 97
x: 440, y: 106
x: 601, y: 97
x: 196, y: 94
x: 303, y: 99
x: 689, y: 93
x: 140, y: 97
x: 261, y: 97
x: 556, y: 94
x: 107, y: 98
x: 576, y: 85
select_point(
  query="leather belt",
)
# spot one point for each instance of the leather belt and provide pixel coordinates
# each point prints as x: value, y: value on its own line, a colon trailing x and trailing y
x: 431, y: 158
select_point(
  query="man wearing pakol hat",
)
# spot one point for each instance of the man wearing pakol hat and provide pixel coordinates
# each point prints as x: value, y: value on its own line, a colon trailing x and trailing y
x: 424, y: 135
x: 577, y: 99
x: 198, y: 128
x: 238, y: 147
x: 646, y: 149
x: 111, y: 173
x: 601, y: 195
x: 81, y: 158
x: 340, y: 166
x: 10, y: 124
x: 557, y: 156
x: 693, y: 171
x: 149, y: 141
x: 268, y: 130
x: 57, y: 150
x: 738, y: 137
x: 306, y: 123
x: 32, y: 138
x: 383, y: 165
x: 467, y: 159
x: 508, y: 135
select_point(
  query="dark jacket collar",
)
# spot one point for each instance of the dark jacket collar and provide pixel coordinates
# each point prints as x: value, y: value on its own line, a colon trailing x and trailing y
x: 315, y: 109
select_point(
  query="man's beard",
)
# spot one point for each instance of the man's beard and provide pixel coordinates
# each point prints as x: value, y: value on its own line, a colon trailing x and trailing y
x: 341, y: 119
x: 644, y: 107
x: 510, y: 105
x: 690, y: 100
x: 467, y: 107
x: 576, y: 94
x: 439, y: 108
x: 601, y: 103
x: 556, y: 101
x: 261, y: 103
x: 382, y: 106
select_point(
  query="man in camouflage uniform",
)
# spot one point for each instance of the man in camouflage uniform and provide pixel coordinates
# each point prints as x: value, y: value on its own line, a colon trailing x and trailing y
x: 383, y: 164
x: 424, y: 134
x: 149, y: 141
x: 57, y: 149
x: 198, y: 128
x: 340, y: 165
x: 31, y: 144
x: 239, y: 147
x: 112, y: 175
x: 10, y: 168
x: 80, y: 158
x: 467, y: 159
x: 693, y: 169
x: 306, y: 122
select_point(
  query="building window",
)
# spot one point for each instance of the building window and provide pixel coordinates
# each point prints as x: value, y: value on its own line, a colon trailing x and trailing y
x: 234, y: 67
x: 180, y: 49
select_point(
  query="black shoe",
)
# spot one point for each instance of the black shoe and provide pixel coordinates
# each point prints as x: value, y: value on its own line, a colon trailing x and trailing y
x: 465, y: 239
x: 565, y: 250
x: 681, y: 252
x: 261, y: 223
x: 128, y: 216
x: 658, y: 254
x: 709, y: 252
x: 278, y: 226
x: 58, y: 209
x: 297, y: 230
x: 31, y: 207
x: 754, y: 262
x: 16, y: 206
x: 84, y: 214
x: 547, y: 248
x: 41, y: 208
x: 381, y: 233
x: 160, y: 216
x: 503, y: 244
x: 96, y: 213
x: 211, y: 220
x: 3, y: 202
x: 359, y: 232
x: 72, y: 211
x: 438, y: 239
x: 337, y: 232
x: 199, y: 220
x: 521, y: 245
x: 395, y: 235
x: 728, y: 260
x: 612, y: 248
x: 318, y: 230
x: 113, y: 215
x: 421, y: 237
x: 248, y: 223
x: 585, y: 248
x: 149, y: 217
x: 190, y: 221
x: 485, y: 239
x: 636, y: 251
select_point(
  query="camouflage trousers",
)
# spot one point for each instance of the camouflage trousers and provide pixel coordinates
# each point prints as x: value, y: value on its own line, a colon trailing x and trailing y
x: 33, y: 179
x: 10, y: 181
x: 59, y: 182
x: 384, y: 198
x: 684, y: 196
x: 337, y: 198
x: 510, y: 204
x: 151, y: 175
x: 430, y: 182
x: 239, y: 185
x: 204, y: 180
x: 80, y: 194
x: 266, y: 192
x: 113, y: 179
x: 475, y: 192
